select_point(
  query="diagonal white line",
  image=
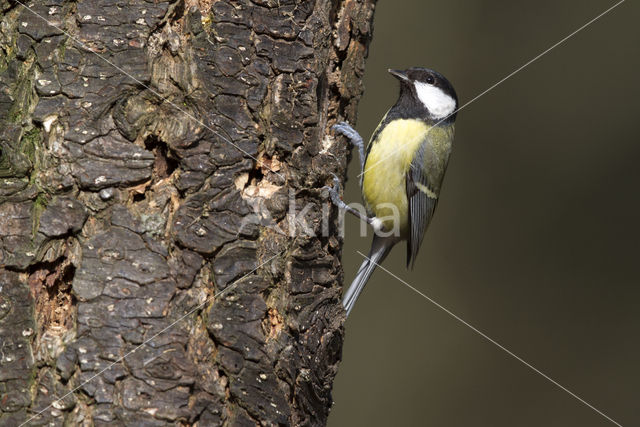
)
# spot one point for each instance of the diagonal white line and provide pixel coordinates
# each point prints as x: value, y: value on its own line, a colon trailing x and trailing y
x: 173, y: 104
x: 199, y: 306
x: 497, y: 344
x: 516, y: 71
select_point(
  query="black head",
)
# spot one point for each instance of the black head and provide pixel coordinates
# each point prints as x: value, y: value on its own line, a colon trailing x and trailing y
x: 426, y: 93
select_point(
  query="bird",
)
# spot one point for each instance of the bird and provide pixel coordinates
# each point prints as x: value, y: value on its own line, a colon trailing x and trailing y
x: 402, y: 169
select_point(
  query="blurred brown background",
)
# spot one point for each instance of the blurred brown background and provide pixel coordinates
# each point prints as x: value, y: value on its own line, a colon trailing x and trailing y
x: 536, y: 238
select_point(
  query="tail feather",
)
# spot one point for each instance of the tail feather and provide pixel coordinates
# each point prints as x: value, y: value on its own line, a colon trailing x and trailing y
x: 380, y: 248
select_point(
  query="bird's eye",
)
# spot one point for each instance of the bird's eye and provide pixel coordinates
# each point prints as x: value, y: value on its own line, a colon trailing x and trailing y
x: 430, y: 80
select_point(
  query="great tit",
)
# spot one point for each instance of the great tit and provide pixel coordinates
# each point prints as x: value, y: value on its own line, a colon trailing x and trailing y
x: 403, y: 168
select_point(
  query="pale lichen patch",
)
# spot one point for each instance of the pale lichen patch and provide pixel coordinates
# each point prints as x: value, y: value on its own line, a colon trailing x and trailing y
x: 327, y: 143
x: 263, y: 190
x: 48, y: 122
x: 241, y: 181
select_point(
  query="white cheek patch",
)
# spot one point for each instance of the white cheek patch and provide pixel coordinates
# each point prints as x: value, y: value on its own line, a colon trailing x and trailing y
x: 439, y: 104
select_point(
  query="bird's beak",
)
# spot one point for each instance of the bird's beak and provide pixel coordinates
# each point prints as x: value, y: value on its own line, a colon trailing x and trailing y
x: 399, y: 74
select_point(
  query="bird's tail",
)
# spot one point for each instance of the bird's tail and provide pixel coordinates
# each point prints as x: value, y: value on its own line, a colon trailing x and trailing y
x: 380, y: 248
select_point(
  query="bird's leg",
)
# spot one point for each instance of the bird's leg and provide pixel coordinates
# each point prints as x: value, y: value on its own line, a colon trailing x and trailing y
x: 334, y: 193
x: 355, y: 139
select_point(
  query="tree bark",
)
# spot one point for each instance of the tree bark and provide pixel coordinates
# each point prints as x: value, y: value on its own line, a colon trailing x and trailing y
x: 153, y: 269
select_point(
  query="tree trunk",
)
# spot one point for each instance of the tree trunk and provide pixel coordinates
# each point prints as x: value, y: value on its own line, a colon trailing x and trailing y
x: 165, y: 259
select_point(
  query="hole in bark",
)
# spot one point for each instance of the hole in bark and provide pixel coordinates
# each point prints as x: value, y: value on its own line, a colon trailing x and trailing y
x: 164, y: 164
x: 50, y: 285
x: 138, y: 197
x: 255, y: 175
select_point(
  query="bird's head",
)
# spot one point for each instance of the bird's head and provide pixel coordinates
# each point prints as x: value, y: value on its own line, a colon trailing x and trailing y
x: 422, y: 88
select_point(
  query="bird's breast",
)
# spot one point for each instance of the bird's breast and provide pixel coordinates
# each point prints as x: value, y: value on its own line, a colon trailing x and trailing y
x: 389, y: 159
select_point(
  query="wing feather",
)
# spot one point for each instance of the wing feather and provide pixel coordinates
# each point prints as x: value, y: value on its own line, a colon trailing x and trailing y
x: 422, y: 203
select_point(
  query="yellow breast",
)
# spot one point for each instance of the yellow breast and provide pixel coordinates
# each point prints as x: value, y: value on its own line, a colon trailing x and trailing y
x: 389, y: 159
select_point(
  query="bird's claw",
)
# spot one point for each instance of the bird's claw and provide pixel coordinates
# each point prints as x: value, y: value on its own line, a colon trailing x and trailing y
x: 334, y: 191
x: 345, y: 129
x: 354, y: 139
x: 340, y: 125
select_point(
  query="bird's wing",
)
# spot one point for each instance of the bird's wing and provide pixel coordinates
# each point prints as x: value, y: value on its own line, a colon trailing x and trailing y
x: 422, y: 197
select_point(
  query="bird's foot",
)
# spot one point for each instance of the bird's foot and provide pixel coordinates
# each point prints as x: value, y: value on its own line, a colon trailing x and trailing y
x: 347, y: 130
x: 354, y: 138
x: 334, y: 195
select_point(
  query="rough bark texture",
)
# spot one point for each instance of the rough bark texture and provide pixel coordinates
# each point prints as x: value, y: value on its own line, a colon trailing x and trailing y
x: 145, y: 170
